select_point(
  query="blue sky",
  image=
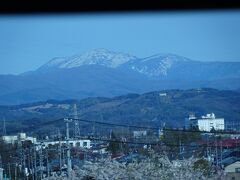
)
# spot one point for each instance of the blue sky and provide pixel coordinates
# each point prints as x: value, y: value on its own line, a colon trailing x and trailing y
x: 27, y: 42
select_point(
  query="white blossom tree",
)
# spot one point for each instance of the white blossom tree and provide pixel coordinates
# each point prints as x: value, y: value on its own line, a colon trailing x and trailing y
x: 153, y: 168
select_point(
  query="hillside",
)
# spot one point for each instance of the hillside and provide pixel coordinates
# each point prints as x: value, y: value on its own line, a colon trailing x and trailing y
x: 151, y: 108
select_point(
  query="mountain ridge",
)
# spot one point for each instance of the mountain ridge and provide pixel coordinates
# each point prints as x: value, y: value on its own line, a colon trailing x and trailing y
x: 101, y: 72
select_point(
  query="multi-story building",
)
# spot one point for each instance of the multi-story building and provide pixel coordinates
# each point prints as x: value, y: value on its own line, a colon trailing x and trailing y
x: 206, y: 123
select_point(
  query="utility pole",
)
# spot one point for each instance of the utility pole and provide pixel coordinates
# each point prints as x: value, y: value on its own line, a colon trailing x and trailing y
x: 15, y: 176
x: 21, y: 158
x: 1, y: 169
x: 94, y: 129
x: 1, y: 162
x: 29, y: 161
x: 159, y: 132
x: 63, y: 156
x: 31, y: 158
x: 48, y: 171
x: 35, y: 163
x: 216, y: 154
x: 9, y: 171
x: 94, y: 136
x: 110, y: 134
x: 24, y: 162
x: 69, y: 164
x: 208, y: 147
x: 180, y: 148
x: 221, y: 154
x: 4, y: 127
x: 60, y: 151
x: 41, y: 162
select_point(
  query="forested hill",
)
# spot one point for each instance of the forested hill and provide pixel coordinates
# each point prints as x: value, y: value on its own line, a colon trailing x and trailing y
x: 153, y: 108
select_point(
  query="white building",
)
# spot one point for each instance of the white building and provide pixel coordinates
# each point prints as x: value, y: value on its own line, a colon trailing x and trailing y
x: 18, y: 138
x: 162, y: 94
x: 73, y: 143
x: 206, y: 123
x: 9, y: 139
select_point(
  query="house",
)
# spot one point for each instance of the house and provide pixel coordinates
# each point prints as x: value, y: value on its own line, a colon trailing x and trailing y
x: 232, y: 171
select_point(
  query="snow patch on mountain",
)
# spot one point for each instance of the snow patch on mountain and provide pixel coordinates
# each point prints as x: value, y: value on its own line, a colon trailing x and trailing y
x: 157, y: 65
x: 168, y: 56
x: 102, y: 57
x: 55, y: 62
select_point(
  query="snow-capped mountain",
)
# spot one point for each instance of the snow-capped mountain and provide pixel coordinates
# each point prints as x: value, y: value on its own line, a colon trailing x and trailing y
x: 153, y: 66
x: 101, y: 57
x: 101, y: 72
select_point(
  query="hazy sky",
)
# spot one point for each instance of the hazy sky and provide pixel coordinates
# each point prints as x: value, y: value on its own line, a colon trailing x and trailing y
x: 27, y: 42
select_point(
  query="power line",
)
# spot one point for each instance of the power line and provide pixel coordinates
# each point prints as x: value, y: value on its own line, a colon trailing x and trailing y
x: 128, y: 126
x: 156, y: 129
x: 160, y: 143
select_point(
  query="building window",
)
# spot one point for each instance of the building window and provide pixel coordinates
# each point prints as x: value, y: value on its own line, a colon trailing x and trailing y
x: 237, y: 170
x: 84, y: 144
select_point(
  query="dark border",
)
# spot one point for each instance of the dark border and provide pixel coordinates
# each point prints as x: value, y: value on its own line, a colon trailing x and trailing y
x: 70, y: 6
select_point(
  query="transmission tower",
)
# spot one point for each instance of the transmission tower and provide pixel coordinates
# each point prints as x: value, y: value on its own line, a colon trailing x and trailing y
x: 76, y: 122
